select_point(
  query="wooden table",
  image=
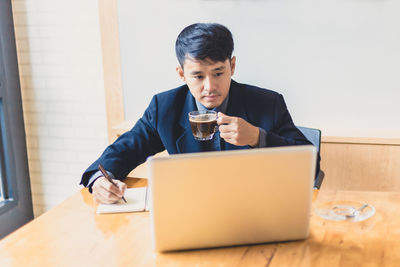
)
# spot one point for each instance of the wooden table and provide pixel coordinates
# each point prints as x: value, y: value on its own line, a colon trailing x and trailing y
x: 72, y: 234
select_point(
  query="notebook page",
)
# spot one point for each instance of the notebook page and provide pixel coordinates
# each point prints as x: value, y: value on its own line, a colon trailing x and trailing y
x: 136, y: 201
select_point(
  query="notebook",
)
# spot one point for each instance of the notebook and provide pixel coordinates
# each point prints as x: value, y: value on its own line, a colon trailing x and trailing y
x: 136, y: 199
x: 226, y: 198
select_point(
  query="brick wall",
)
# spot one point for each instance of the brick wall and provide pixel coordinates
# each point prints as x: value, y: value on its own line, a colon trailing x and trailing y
x: 60, y: 65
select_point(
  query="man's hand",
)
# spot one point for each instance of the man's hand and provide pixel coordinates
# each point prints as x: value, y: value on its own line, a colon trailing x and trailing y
x: 237, y: 131
x: 105, y: 192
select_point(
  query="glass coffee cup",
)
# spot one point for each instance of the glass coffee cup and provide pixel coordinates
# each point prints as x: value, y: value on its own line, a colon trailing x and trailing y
x: 203, y: 124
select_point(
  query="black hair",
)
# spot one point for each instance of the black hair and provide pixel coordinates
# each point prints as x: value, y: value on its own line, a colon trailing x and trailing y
x: 204, y: 40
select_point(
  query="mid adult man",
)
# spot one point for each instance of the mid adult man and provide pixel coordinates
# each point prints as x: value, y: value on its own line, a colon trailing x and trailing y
x: 248, y: 116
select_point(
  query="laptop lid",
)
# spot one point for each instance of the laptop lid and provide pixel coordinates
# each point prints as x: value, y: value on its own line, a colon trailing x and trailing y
x: 226, y: 198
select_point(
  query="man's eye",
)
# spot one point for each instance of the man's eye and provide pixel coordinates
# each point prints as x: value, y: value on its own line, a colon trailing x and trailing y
x: 218, y: 74
x: 198, y: 77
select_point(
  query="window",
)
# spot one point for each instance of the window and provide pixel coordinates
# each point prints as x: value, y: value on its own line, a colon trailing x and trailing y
x: 5, y: 188
x: 16, y: 202
x: 3, y: 181
x: 1, y: 190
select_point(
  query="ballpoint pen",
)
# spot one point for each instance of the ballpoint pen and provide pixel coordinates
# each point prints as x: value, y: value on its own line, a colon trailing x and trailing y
x: 105, y: 174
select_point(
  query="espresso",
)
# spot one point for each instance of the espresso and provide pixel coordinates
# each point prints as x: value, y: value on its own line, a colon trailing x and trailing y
x: 203, y: 126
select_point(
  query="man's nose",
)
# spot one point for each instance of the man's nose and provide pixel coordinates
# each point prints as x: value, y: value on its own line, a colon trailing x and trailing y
x: 209, y: 84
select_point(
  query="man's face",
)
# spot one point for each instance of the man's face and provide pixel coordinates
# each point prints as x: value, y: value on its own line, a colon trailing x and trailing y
x: 208, y: 81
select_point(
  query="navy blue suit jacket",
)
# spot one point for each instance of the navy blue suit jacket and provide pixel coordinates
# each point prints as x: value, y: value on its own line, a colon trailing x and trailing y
x: 165, y: 125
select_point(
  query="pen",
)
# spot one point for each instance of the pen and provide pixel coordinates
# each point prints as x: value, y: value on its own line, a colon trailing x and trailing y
x: 104, y: 172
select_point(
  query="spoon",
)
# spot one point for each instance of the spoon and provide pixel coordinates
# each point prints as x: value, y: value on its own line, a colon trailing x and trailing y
x: 350, y: 214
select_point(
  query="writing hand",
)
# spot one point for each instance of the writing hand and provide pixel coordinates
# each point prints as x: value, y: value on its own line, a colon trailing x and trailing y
x: 105, y: 192
x: 237, y: 131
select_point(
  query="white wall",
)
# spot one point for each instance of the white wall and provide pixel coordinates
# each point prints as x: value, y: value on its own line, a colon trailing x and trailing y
x: 341, y: 56
x: 336, y: 62
x: 60, y: 65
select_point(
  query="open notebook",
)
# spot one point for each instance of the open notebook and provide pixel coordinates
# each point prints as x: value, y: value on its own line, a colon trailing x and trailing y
x: 137, y: 200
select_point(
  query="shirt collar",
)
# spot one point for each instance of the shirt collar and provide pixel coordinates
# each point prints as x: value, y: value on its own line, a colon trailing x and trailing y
x: 221, y: 108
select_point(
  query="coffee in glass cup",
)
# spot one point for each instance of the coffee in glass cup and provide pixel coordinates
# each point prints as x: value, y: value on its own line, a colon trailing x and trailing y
x: 203, y: 124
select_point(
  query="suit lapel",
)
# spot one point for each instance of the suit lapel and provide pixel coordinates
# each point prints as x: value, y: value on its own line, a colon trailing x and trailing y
x: 236, y: 105
x: 236, y: 108
x: 186, y: 142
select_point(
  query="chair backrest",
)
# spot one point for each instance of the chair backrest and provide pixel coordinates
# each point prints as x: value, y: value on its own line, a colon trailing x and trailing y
x: 313, y: 135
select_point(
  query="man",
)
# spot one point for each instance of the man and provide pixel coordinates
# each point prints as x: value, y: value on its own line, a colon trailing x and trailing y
x: 248, y: 116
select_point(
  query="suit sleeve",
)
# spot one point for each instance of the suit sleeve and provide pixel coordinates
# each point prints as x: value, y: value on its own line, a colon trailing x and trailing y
x: 284, y: 132
x: 130, y: 149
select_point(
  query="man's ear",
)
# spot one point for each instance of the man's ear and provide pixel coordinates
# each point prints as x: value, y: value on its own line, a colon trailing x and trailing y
x: 181, y: 75
x: 233, y: 65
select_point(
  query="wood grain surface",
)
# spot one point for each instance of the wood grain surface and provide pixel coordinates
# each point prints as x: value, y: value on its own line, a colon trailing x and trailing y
x: 72, y: 234
x: 361, y: 167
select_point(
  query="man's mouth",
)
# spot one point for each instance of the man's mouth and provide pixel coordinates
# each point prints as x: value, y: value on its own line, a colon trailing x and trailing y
x: 210, y: 97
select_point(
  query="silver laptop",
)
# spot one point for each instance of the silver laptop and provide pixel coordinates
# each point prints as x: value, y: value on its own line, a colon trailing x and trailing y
x: 227, y: 198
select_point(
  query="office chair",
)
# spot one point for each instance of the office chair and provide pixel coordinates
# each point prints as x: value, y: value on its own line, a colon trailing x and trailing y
x: 314, y: 136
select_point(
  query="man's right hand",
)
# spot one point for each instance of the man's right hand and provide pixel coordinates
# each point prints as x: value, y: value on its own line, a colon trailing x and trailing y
x: 105, y: 192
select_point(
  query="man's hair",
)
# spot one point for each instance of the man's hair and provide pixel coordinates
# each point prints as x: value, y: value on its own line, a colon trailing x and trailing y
x: 204, y: 40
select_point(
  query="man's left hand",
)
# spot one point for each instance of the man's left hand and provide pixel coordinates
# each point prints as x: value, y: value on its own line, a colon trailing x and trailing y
x: 237, y: 131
